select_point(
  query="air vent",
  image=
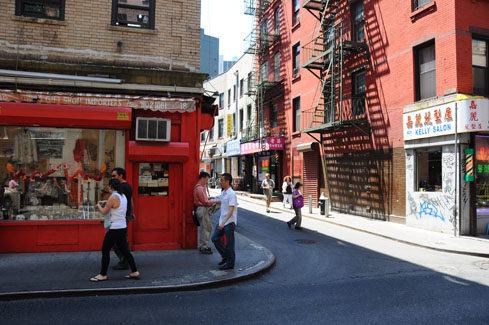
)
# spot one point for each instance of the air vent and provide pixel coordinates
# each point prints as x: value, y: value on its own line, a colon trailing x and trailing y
x: 152, y: 129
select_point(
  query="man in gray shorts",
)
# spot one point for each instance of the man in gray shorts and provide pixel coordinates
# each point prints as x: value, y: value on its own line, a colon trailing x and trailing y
x: 267, y: 185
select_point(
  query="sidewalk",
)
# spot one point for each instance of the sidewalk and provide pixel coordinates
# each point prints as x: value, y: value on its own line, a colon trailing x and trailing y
x: 475, y: 246
x: 34, y: 275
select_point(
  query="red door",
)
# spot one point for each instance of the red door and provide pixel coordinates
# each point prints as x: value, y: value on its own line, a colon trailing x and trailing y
x: 157, y: 205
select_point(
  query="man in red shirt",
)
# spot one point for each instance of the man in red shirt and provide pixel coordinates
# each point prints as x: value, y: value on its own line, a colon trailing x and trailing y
x: 202, y: 204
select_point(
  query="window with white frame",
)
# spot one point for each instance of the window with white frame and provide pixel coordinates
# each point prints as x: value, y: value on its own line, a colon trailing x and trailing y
x: 295, y: 11
x: 296, y: 60
x: 220, y: 128
x: 221, y: 100
x: 296, y: 107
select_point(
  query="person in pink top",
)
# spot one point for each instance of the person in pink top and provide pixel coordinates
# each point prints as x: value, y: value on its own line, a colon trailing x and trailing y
x: 202, y: 204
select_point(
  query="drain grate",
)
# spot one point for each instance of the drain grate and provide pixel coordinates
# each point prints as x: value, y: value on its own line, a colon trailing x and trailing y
x: 305, y: 241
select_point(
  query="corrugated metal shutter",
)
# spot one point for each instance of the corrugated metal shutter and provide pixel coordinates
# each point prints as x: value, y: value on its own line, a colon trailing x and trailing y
x: 311, y: 176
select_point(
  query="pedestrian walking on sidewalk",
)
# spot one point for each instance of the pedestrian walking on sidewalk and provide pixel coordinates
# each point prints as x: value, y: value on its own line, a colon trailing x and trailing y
x: 298, y: 202
x: 227, y: 223
x: 120, y: 174
x: 267, y: 185
x: 287, y: 187
x: 117, y: 234
x: 202, y: 205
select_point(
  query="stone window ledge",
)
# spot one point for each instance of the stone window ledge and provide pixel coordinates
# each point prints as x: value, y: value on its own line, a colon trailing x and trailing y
x: 423, y: 11
x: 132, y: 29
x: 39, y: 20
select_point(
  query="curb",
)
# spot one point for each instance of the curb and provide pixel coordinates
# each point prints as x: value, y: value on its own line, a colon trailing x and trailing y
x: 484, y: 255
x: 250, y: 272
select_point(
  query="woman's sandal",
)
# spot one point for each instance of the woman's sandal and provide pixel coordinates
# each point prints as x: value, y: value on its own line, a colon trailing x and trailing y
x: 133, y: 275
x: 98, y: 278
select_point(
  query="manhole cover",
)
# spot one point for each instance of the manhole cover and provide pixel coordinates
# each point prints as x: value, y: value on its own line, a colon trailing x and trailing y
x: 305, y: 241
x: 484, y: 265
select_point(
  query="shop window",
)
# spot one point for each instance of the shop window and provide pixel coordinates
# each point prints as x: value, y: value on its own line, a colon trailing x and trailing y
x: 220, y: 129
x: 358, y: 98
x: 418, y: 4
x: 480, y: 63
x: 358, y: 22
x: 221, y: 100
x: 482, y: 174
x: 295, y: 11
x: 134, y: 13
x: 276, y: 67
x: 425, y: 65
x: 296, y: 106
x: 56, y: 173
x: 153, y: 179
x: 296, y: 60
x: 153, y: 129
x: 429, y: 170
x: 47, y: 9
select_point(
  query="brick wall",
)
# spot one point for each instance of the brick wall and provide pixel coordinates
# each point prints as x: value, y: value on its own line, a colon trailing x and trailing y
x: 86, y: 36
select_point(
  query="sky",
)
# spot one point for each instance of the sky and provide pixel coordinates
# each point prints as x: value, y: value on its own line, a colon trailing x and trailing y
x: 226, y: 20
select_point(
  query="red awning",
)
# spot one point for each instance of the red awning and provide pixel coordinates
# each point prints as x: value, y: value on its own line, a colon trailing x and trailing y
x: 169, y: 151
x: 28, y: 114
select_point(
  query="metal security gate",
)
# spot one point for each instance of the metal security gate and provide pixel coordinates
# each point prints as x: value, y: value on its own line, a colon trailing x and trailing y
x: 311, y: 176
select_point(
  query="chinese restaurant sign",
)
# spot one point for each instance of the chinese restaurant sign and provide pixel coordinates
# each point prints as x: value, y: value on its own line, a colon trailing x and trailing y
x: 233, y: 148
x: 472, y: 116
x: 271, y: 143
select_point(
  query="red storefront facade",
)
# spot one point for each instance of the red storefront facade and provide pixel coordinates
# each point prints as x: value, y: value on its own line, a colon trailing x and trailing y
x: 72, y: 150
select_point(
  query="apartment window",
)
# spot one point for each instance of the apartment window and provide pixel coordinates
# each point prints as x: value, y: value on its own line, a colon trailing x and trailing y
x: 425, y: 65
x: 264, y: 72
x: 276, y: 66
x: 358, y: 22
x: 241, y: 87
x: 202, y: 136
x: 220, y: 128
x: 221, y: 100
x: 48, y: 9
x: 274, y: 116
x: 480, y: 66
x: 241, y: 119
x: 296, y: 60
x: 296, y: 108
x: 134, y: 13
x: 211, y: 133
x: 248, y: 113
x: 358, y: 91
x: 295, y: 11
x: 277, y: 21
x: 229, y: 97
x: 429, y: 170
x: 234, y: 123
x: 234, y: 93
x: 248, y: 85
x: 417, y: 4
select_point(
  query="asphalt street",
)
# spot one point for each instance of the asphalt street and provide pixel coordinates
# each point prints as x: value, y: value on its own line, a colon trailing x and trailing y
x: 324, y: 274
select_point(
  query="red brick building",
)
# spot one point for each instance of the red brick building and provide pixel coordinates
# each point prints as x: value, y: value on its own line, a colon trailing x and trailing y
x: 350, y: 72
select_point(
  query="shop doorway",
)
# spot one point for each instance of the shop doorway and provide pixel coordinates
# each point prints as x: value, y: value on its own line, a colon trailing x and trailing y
x: 157, y: 203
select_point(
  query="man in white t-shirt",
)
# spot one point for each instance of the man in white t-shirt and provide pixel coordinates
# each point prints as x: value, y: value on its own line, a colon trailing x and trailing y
x: 227, y: 223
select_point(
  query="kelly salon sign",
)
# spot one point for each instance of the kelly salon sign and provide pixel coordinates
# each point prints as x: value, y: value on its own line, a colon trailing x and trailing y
x: 472, y: 116
x: 271, y: 143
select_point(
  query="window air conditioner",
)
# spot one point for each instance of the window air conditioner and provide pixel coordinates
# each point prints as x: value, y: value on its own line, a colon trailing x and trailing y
x: 153, y: 129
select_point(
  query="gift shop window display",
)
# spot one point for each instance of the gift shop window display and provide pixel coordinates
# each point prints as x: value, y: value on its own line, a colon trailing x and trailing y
x: 56, y: 173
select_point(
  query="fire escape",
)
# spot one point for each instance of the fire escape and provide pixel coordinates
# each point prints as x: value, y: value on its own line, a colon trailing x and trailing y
x: 325, y: 57
x: 260, y: 40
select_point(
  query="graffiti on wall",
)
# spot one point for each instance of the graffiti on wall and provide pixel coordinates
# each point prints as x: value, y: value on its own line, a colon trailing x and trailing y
x: 429, y: 209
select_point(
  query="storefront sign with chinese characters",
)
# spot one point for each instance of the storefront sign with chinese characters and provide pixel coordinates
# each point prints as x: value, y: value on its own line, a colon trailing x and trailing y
x: 271, y: 143
x: 472, y: 115
x: 233, y: 148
